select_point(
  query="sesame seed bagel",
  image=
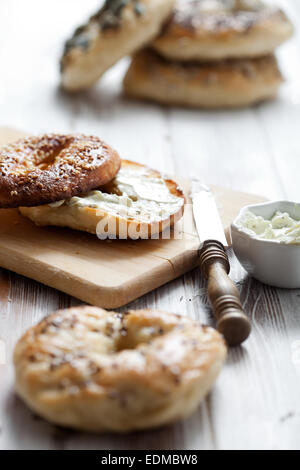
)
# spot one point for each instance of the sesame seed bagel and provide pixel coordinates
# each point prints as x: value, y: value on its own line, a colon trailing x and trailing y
x: 222, y: 29
x: 93, y: 370
x: 41, y: 170
x: 222, y: 84
x: 138, y: 203
x: 118, y: 29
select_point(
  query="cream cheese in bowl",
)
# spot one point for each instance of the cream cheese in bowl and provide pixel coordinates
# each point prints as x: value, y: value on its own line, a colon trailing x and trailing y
x: 281, y: 227
x: 266, y: 240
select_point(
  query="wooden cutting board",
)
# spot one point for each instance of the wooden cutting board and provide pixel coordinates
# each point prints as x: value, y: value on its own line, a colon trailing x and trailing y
x: 105, y: 273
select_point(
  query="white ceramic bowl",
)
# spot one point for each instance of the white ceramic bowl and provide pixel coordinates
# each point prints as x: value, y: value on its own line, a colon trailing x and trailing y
x: 273, y: 263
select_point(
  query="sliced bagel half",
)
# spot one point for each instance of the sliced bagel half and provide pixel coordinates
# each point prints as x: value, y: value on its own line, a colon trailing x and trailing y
x: 137, y: 203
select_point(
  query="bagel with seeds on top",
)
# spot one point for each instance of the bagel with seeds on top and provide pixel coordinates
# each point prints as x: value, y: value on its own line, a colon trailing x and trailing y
x: 222, y: 84
x: 117, y: 30
x: 45, y: 169
x: 93, y: 370
x: 220, y: 29
x: 137, y: 203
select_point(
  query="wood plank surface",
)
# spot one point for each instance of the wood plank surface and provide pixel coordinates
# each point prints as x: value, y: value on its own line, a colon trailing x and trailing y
x: 254, y: 404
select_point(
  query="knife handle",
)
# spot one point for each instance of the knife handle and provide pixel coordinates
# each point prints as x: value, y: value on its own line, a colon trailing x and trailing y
x: 223, y: 294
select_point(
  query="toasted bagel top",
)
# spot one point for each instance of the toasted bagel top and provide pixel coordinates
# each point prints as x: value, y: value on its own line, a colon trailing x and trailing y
x: 40, y: 170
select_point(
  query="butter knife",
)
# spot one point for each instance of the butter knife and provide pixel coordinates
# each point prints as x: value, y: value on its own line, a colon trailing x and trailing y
x: 223, y: 294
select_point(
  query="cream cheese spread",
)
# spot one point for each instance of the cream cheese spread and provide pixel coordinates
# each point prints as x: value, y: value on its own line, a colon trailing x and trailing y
x: 140, y: 196
x: 281, y: 228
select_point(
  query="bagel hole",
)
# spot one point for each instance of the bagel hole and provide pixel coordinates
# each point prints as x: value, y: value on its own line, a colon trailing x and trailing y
x: 112, y: 188
x: 50, y: 158
x: 134, y: 337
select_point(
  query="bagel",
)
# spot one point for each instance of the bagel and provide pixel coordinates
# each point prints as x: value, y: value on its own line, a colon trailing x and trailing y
x: 138, y: 203
x: 117, y: 30
x: 41, y: 170
x: 225, y: 84
x: 97, y: 371
x: 222, y: 29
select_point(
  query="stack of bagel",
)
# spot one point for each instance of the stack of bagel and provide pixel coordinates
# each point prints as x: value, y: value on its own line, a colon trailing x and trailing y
x: 198, y: 53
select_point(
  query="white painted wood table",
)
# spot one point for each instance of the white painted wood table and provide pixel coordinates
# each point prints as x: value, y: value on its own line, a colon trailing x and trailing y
x: 255, y: 402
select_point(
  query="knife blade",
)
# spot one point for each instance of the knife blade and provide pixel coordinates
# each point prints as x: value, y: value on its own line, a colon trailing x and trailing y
x: 223, y: 294
x: 206, y: 215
